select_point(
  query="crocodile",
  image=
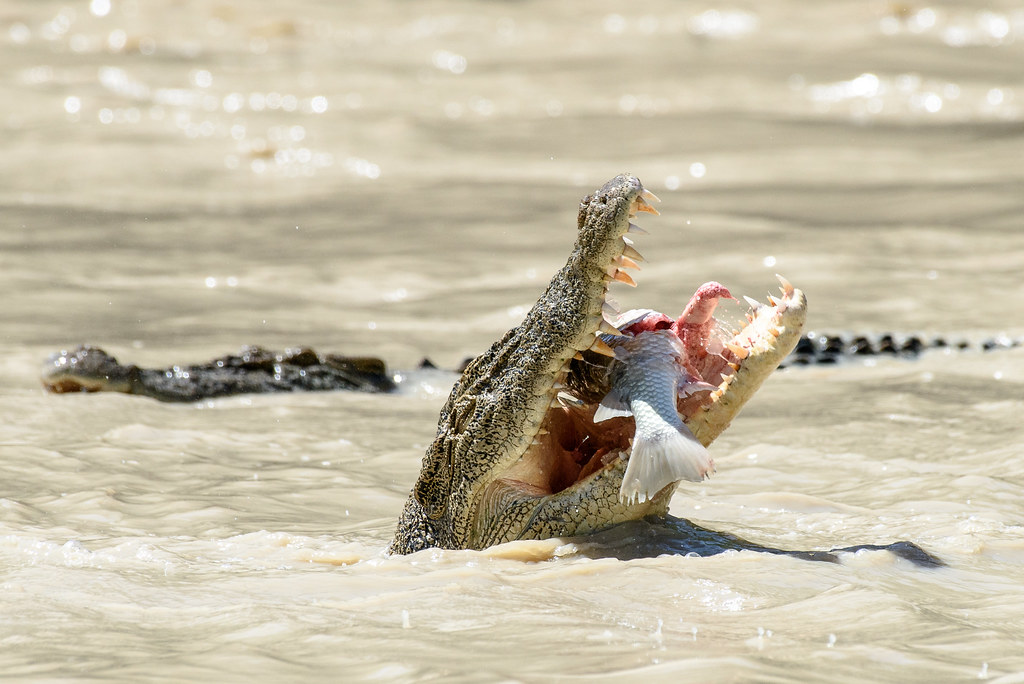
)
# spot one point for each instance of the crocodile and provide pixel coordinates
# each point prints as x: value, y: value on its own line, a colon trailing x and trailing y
x: 253, y: 370
x: 518, y: 454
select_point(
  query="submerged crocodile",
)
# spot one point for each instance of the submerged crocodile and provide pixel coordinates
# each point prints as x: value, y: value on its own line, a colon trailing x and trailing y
x: 518, y: 454
x: 253, y: 370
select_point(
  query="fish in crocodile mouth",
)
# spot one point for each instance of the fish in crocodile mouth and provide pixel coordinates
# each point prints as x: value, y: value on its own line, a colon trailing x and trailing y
x: 648, y: 385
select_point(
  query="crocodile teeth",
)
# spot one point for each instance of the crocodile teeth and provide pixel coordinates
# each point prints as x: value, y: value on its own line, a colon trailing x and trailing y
x: 773, y: 301
x: 625, y: 262
x: 754, y: 304
x: 739, y: 351
x: 642, y: 205
x: 601, y: 347
x: 633, y: 228
x: 609, y: 310
x: 629, y: 251
x: 608, y: 329
x: 649, y: 196
x: 787, y: 287
x: 623, y: 277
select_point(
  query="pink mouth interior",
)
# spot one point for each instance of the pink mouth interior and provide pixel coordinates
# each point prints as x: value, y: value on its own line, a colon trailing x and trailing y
x: 570, y: 446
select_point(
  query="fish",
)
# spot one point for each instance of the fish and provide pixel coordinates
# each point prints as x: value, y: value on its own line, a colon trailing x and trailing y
x: 647, y: 378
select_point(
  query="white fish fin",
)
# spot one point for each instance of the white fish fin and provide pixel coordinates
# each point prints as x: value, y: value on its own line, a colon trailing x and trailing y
x: 612, y: 406
x: 628, y: 318
x: 660, y: 459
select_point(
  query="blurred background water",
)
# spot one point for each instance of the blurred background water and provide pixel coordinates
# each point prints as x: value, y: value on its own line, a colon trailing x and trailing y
x: 180, y: 178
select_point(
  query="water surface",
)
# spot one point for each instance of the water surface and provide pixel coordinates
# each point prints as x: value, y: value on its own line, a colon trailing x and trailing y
x: 182, y: 178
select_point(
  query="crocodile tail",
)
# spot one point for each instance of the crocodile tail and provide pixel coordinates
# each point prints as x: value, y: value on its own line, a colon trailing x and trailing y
x: 661, y: 458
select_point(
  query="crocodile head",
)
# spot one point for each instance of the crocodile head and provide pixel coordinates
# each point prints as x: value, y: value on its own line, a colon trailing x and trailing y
x: 517, y: 453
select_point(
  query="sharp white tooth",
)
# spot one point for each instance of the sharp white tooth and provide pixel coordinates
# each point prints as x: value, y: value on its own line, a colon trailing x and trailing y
x: 601, y: 347
x: 629, y: 251
x: 649, y: 196
x: 623, y: 277
x: 609, y: 310
x: 773, y: 301
x: 608, y: 329
x: 626, y: 262
x: 754, y: 304
x: 642, y: 205
x: 737, y: 350
x: 633, y: 228
x: 787, y: 287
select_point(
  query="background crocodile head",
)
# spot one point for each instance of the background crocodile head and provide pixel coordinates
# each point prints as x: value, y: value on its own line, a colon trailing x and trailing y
x: 517, y: 454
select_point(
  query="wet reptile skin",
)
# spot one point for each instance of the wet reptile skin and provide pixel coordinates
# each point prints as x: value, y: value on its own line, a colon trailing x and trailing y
x: 253, y: 370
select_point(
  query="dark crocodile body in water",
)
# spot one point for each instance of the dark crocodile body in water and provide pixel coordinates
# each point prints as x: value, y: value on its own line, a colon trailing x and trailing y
x: 826, y: 348
x: 255, y: 370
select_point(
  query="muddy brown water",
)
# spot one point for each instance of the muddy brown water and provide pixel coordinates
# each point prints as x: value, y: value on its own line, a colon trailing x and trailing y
x: 181, y: 178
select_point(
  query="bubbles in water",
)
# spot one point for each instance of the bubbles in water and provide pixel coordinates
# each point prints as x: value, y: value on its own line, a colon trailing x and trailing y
x: 715, y: 23
x: 201, y: 78
x: 19, y: 33
x: 449, y: 61
x: 99, y: 8
x: 614, y: 24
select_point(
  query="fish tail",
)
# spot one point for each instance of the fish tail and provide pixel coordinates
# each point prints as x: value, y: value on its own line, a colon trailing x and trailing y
x: 658, y: 459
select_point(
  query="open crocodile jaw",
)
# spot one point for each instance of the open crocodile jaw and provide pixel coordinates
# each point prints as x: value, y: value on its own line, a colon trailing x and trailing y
x: 514, y: 460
